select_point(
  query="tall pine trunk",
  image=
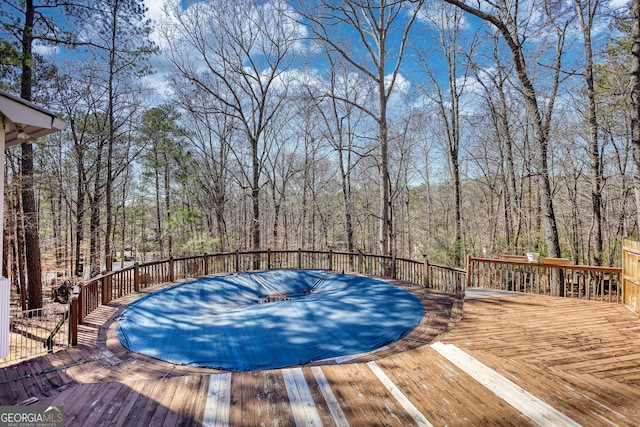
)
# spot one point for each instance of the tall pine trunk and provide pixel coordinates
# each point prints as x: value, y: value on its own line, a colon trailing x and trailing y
x: 635, y: 99
x: 30, y: 214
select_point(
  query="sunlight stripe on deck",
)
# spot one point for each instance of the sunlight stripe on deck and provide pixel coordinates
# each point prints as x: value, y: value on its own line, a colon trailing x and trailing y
x: 399, y: 395
x: 302, y: 404
x: 529, y: 405
x: 216, y: 411
x: 329, y: 397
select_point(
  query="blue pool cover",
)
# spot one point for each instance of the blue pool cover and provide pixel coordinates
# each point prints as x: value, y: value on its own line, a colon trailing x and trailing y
x: 241, y: 322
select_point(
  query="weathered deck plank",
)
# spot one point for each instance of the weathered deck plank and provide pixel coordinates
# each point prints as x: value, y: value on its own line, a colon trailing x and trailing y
x: 146, y: 403
x: 443, y: 393
x: 329, y: 418
x: 364, y: 399
x: 279, y: 411
x: 189, y: 392
x: 162, y: 401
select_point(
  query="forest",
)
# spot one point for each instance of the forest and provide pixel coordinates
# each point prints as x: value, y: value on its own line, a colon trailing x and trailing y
x: 415, y: 128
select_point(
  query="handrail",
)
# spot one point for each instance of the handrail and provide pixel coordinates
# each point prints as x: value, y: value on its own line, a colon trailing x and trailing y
x: 101, y: 289
x: 563, y: 280
x: 574, y: 281
x: 448, y: 279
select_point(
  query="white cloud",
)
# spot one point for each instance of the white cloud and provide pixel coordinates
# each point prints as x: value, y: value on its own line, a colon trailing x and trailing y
x: 155, y: 9
x: 45, y: 49
x: 620, y: 4
x: 156, y: 14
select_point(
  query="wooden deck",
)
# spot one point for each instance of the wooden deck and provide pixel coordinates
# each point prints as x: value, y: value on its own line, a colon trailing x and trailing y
x: 511, y: 360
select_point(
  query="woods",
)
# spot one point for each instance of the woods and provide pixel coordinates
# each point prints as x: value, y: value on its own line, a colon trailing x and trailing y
x: 435, y: 129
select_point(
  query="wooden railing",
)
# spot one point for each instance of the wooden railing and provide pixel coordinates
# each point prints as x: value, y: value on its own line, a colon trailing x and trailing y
x: 104, y: 288
x: 570, y: 281
x: 446, y: 279
x: 513, y: 274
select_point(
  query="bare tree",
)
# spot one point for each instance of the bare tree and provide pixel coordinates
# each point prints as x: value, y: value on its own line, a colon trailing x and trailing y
x: 339, y: 121
x: 160, y: 134
x: 210, y: 135
x: 373, y: 23
x: 282, y: 167
x: 505, y: 17
x: 586, y: 11
x: 497, y: 89
x: 447, y: 20
x: 238, y: 53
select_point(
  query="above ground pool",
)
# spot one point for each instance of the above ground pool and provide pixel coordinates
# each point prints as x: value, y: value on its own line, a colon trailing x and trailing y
x: 269, y: 319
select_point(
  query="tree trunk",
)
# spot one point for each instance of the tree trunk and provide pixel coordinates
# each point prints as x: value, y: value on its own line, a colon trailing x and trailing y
x: 79, y: 214
x: 94, y: 219
x: 167, y: 201
x: 159, y: 232
x: 56, y: 213
x: 635, y: 100
x: 31, y: 236
x: 94, y: 239
x: 586, y: 24
x: 510, y: 34
x: 386, y: 220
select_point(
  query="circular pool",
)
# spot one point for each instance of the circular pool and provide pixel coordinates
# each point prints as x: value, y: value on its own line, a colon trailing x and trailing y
x: 271, y: 319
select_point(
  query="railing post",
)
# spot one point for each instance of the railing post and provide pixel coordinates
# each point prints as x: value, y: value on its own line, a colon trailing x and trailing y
x: 468, y: 284
x: 299, y: 258
x: 427, y: 283
x: 394, y: 266
x: 330, y: 259
x: 81, y: 306
x: 205, y: 264
x: 269, y: 259
x: 171, y: 271
x: 73, y: 322
x: 108, y: 281
x: 136, y: 277
x: 237, y: 261
x: 106, y: 292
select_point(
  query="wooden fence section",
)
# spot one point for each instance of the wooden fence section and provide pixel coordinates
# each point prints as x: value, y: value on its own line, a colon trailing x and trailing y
x: 631, y: 274
x: 571, y: 281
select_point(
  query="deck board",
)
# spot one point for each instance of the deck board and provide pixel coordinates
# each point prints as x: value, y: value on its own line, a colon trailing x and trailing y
x: 182, y: 409
x: 564, y: 357
x: 127, y: 408
x: 443, y: 392
x: 20, y: 388
x: 162, y: 400
x: 279, y: 411
x: 79, y: 406
x: 364, y: 399
x: 107, y: 405
x: 146, y: 403
x: 320, y: 400
x: 580, y: 357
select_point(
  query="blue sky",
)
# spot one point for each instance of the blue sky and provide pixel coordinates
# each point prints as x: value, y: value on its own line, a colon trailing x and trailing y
x: 156, y: 13
x: 408, y: 75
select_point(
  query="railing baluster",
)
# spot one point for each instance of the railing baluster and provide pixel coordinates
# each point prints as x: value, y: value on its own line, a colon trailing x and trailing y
x: 570, y: 281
